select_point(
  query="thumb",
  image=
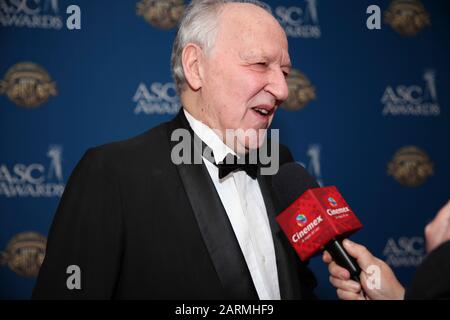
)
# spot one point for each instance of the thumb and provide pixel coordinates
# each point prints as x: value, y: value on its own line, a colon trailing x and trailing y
x: 363, y: 256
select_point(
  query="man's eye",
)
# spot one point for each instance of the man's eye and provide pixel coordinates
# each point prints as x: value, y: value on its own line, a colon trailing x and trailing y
x: 259, y: 66
x: 286, y: 74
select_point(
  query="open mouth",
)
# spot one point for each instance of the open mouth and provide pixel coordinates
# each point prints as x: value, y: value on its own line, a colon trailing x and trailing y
x: 264, y: 111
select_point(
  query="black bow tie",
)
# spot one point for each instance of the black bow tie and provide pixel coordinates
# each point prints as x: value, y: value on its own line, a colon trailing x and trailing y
x: 230, y: 164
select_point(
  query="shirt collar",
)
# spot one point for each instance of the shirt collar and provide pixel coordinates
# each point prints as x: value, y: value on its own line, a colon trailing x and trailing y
x: 208, y: 136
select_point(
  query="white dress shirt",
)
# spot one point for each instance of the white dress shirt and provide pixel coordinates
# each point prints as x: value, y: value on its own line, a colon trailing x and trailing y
x: 243, y: 202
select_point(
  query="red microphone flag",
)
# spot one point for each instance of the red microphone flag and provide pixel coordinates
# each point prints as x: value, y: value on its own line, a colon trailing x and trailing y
x: 316, y: 217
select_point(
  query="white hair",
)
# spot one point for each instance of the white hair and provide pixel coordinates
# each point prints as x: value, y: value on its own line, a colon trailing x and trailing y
x: 199, y: 26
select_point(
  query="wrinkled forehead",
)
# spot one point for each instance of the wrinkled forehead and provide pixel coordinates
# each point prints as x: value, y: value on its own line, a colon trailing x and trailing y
x: 248, y: 27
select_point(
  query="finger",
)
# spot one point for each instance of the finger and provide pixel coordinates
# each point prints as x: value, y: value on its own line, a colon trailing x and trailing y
x: 338, y: 272
x: 346, y: 295
x: 434, y: 234
x: 326, y: 257
x: 436, y: 231
x: 363, y: 256
x: 346, y: 285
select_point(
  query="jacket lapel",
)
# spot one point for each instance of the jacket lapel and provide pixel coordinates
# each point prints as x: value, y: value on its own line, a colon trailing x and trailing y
x: 213, y: 223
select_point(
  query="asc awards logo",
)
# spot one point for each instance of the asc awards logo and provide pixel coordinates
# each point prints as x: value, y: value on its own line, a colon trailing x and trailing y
x: 31, y: 14
x: 404, y: 252
x: 301, y: 91
x: 410, y: 166
x: 24, y: 253
x: 28, y: 85
x: 35, y: 179
x: 413, y: 100
x: 163, y: 14
x: 407, y: 17
x: 161, y: 99
x: 300, y: 21
x: 301, y: 220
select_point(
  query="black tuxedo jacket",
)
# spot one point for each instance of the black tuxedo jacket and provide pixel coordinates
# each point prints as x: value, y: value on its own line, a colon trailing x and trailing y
x: 139, y: 226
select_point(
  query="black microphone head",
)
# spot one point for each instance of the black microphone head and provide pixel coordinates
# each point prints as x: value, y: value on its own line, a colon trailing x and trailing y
x: 291, y: 181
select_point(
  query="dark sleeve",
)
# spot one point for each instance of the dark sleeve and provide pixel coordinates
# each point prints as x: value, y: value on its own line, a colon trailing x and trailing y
x: 306, y: 276
x: 308, y: 281
x: 432, y: 279
x: 86, y: 232
x: 285, y: 155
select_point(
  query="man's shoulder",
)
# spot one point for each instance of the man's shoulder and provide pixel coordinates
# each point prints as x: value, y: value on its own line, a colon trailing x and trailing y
x: 140, y: 143
x: 142, y: 150
x: 285, y: 154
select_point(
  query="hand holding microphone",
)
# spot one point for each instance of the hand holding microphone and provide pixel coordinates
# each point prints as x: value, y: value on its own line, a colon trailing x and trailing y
x: 386, y: 287
x: 317, y: 219
x: 428, y: 282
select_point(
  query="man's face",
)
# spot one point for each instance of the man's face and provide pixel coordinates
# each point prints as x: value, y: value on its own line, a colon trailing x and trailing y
x: 245, y: 72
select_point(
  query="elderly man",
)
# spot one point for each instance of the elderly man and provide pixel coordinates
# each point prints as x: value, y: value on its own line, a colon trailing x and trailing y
x: 134, y: 224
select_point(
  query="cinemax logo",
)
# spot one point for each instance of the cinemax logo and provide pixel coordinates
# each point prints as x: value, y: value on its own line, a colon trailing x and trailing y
x: 299, y: 235
x: 34, y: 180
x: 162, y: 98
x: 332, y: 202
x: 333, y: 212
x: 301, y: 220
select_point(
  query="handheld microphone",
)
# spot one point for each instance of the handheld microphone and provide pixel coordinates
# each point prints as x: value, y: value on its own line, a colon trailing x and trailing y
x: 314, y: 218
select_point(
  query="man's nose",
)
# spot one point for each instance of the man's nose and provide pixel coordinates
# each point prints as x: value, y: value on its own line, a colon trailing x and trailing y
x: 277, y: 85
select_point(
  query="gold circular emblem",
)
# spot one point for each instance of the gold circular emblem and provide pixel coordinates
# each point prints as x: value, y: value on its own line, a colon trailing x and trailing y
x: 301, y: 92
x: 24, y: 253
x: 407, y: 17
x: 164, y: 14
x: 410, y: 166
x: 27, y: 85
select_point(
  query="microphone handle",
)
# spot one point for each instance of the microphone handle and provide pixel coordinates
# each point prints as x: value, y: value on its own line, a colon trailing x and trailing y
x: 342, y: 258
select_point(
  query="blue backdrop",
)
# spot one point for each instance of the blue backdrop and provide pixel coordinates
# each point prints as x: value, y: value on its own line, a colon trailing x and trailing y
x: 368, y: 110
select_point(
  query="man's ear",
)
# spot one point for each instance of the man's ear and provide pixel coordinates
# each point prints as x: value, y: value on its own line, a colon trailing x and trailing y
x: 191, y: 58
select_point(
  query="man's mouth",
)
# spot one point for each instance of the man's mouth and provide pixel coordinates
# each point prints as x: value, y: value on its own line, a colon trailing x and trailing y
x: 264, y: 110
